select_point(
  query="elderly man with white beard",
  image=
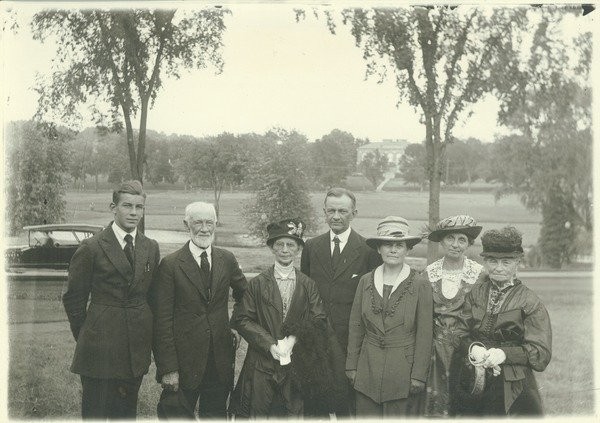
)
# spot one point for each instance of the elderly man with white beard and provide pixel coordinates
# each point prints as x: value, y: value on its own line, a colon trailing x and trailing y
x: 193, y: 346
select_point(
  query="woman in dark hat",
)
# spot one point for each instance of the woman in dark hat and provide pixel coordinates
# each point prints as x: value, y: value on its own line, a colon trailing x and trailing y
x: 451, y: 278
x: 507, y: 332
x: 281, y: 312
x: 390, y: 334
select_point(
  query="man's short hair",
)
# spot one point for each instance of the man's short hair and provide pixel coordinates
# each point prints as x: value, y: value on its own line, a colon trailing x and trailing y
x: 199, y: 206
x: 132, y: 187
x: 340, y: 192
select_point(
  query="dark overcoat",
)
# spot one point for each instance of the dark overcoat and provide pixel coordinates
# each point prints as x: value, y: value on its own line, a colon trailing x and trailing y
x: 187, y: 318
x: 259, y: 319
x: 521, y: 329
x: 113, y: 334
x: 388, y: 350
x: 337, y: 288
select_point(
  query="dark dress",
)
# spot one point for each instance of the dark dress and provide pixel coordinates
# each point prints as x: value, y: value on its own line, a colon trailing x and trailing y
x: 265, y: 388
x: 519, y: 325
x: 446, y: 307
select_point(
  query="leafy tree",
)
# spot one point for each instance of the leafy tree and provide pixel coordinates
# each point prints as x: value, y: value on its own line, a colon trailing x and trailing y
x: 441, y: 59
x: 115, y: 60
x: 463, y: 161
x: 334, y: 157
x: 413, y: 165
x: 546, y: 98
x: 221, y: 164
x: 37, y: 174
x: 373, y: 166
x: 280, y: 182
x: 158, y: 161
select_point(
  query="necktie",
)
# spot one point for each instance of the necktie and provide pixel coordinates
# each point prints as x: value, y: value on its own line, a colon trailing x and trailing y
x: 335, y: 257
x: 205, y: 269
x: 387, y: 291
x: 129, y: 252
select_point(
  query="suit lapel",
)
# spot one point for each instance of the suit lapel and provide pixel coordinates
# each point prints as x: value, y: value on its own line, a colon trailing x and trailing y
x: 372, y: 296
x: 116, y: 255
x: 142, y: 247
x: 349, y: 254
x: 273, y: 294
x: 323, y: 250
x: 192, y: 270
x: 297, y: 299
x: 216, y: 269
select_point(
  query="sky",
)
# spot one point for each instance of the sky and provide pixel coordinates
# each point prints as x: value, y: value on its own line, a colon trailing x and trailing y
x: 277, y: 73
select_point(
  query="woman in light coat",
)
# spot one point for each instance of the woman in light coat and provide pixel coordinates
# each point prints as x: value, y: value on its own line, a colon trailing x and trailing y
x: 390, y: 334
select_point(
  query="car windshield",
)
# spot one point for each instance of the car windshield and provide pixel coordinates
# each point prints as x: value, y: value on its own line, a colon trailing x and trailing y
x: 57, y: 238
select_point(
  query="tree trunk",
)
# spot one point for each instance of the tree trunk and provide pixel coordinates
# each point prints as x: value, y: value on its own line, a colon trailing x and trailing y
x: 468, y: 180
x: 96, y: 183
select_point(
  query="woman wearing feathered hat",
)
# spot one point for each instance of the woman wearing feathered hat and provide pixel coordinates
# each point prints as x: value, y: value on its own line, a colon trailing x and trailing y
x: 280, y: 314
x: 507, y: 332
x: 451, y: 278
x: 390, y: 331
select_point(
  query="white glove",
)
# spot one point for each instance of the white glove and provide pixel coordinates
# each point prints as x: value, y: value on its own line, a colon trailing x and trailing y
x: 478, y: 353
x: 275, y: 351
x: 495, y: 357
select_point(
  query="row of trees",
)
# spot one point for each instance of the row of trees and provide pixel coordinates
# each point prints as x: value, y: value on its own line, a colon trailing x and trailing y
x: 443, y: 59
x: 221, y: 161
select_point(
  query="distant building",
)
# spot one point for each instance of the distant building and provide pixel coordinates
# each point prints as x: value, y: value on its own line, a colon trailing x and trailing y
x: 393, y: 149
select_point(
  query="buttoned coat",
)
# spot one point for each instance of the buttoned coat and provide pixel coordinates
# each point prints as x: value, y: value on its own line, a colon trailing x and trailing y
x: 188, y: 316
x: 113, y: 334
x: 387, y: 351
x: 337, y: 288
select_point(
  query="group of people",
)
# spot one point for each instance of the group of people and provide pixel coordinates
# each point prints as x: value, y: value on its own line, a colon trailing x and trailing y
x: 354, y: 331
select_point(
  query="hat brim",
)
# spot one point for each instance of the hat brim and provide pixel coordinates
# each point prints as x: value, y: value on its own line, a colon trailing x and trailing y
x: 410, y: 241
x: 471, y: 232
x: 274, y: 238
x: 500, y: 254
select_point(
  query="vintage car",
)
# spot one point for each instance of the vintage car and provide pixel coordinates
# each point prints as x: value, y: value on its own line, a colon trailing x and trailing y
x: 49, y: 246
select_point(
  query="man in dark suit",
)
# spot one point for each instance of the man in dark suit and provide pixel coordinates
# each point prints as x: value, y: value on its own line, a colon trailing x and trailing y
x: 193, y: 346
x: 336, y: 260
x: 114, y: 270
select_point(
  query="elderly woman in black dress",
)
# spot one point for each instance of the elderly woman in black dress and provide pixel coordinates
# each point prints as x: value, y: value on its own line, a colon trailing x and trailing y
x: 507, y: 332
x: 289, y: 367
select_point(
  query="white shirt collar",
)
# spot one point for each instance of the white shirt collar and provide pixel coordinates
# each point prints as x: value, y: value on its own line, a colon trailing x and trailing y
x: 378, y: 278
x: 196, y: 251
x: 120, y: 234
x: 343, y: 237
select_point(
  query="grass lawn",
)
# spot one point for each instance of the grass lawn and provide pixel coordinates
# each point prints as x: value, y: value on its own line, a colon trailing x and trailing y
x: 41, y: 386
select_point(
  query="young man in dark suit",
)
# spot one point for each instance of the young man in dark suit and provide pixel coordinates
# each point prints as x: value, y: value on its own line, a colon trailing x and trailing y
x: 114, y: 270
x: 336, y: 260
x: 193, y: 347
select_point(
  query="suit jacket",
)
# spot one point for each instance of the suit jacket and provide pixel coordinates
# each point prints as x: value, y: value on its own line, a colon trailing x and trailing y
x: 187, y: 318
x: 337, y: 288
x: 113, y: 334
x: 387, y: 351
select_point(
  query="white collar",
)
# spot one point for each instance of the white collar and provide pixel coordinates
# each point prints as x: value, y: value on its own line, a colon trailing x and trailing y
x: 378, y: 278
x: 120, y: 233
x: 470, y: 271
x: 196, y: 251
x: 284, y: 271
x: 343, y: 237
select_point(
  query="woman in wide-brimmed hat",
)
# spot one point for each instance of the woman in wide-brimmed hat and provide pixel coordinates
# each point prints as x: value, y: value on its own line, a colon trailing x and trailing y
x: 281, y: 312
x: 507, y: 331
x: 390, y: 331
x: 451, y: 278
